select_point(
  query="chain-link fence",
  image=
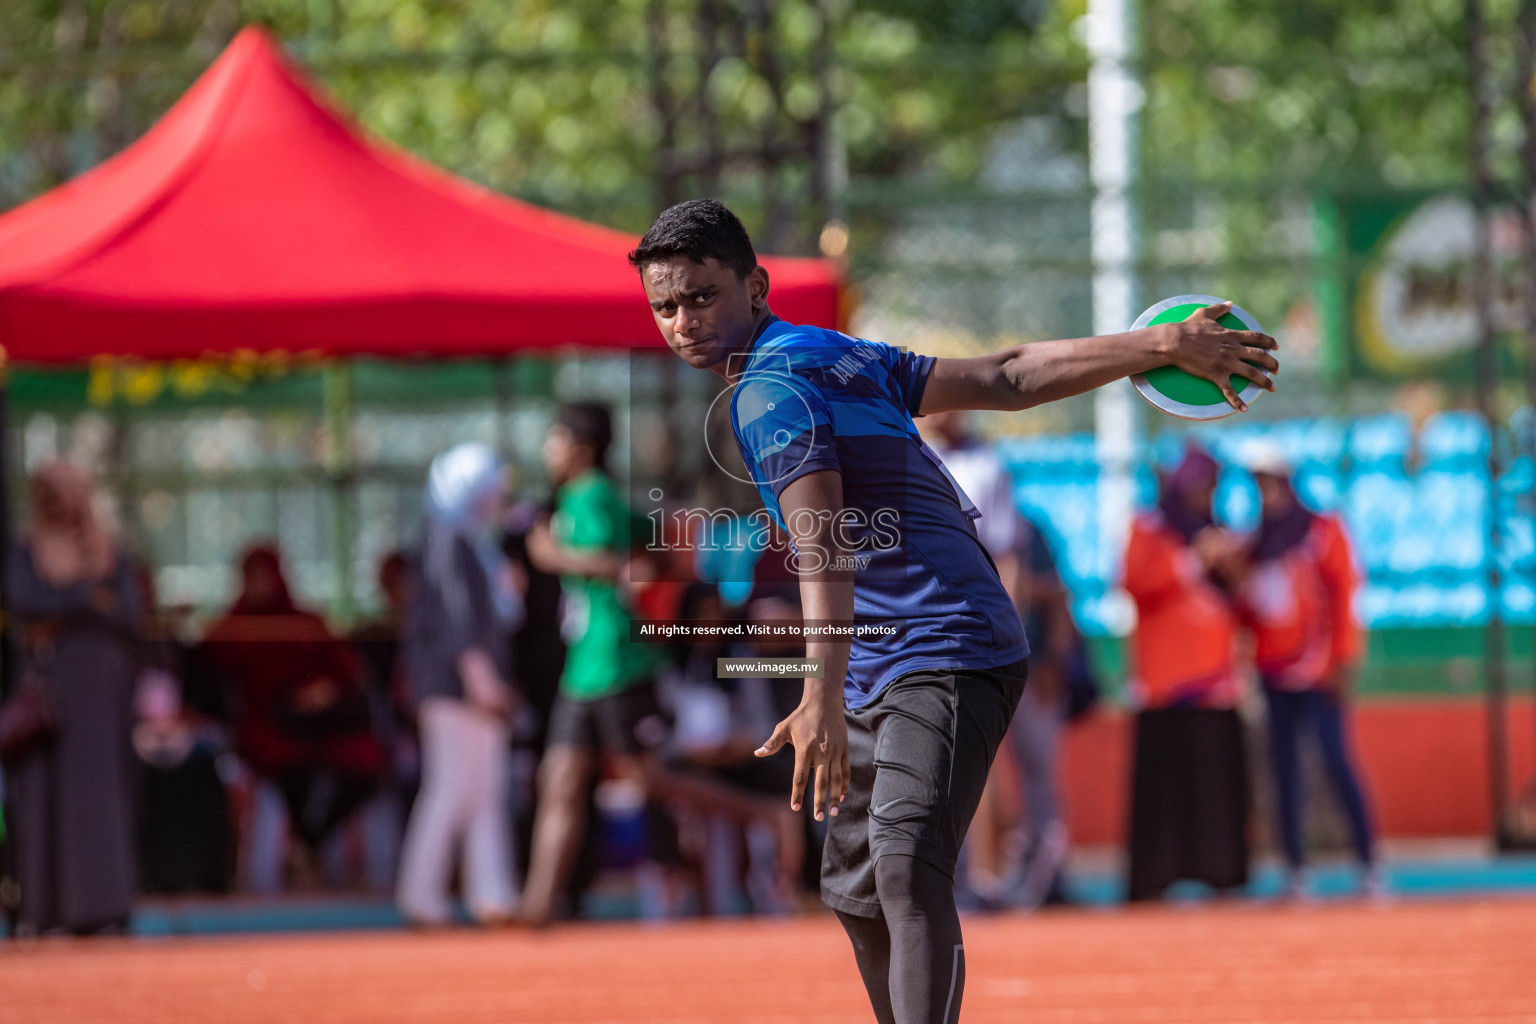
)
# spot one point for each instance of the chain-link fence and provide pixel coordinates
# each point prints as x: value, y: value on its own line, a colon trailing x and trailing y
x: 954, y: 165
x: 957, y: 178
x: 326, y: 460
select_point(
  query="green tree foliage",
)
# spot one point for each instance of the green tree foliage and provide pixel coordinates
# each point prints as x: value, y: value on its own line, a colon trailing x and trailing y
x: 602, y: 106
x: 607, y: 107
x: 1370, y: 92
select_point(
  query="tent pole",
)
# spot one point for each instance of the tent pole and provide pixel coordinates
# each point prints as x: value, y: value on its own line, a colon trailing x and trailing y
x: 1486, y: 386
x: 337, y: 405
x: 10, y: 893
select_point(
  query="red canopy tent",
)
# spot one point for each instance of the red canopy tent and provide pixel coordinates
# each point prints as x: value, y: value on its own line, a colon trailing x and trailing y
x: 255, y: 216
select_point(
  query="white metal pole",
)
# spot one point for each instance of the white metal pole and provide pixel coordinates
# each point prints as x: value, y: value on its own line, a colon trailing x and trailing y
x: 1115, y: 98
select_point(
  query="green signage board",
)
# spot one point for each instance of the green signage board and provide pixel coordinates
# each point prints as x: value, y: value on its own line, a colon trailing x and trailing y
x: 272, y: 381
x: 1395, y: 284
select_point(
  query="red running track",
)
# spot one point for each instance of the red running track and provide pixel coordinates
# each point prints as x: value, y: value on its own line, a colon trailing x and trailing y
x: 1461, y: 961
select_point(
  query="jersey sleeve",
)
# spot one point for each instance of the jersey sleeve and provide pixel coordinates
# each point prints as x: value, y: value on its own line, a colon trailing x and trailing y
x: 1152, y: 571
x: 784, y: 429
x: 910, y: 372
x: 1336, y: 565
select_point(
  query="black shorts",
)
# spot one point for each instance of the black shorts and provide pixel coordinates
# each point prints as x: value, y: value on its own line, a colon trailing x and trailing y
x: 627, y: 723
x: 920, y: 753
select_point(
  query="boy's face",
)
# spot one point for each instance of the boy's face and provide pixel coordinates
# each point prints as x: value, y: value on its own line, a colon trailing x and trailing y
x: 564, y: 456
x: 704, y: 310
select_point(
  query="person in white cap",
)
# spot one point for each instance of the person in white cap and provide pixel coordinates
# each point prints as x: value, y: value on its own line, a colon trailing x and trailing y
x: 1297, y: 597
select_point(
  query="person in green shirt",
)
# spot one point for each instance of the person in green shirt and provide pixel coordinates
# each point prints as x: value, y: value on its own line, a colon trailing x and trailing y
x: 592, y: 527
x: 607, y: 701
x: 607, y: 698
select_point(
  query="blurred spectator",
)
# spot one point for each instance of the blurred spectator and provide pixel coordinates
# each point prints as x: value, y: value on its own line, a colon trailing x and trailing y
x: 719, y: 725
x: 1298, y: 596
x: 1189, y: 794
x: 607, y: 698
x: 1058, y: 678
x: 185, y: 829
x: 976, y: 470
x: 300, y: 716
x: 538, y: 658
x: 462, y: 611
x: 775, y: 774
x: 607, y: 704
x: 74, y: 600
x: 391, y: 709
x: 184, y: 823
x: 538, y: 651
x: 1029, y: 870
x: 377, y: 643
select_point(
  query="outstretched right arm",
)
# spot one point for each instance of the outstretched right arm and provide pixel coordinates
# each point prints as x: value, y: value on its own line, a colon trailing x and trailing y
x: 1044, y: 371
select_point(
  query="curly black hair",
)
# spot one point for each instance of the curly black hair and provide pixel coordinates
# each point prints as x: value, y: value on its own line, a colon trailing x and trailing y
x: 699, y: 229
x: 590, y: 424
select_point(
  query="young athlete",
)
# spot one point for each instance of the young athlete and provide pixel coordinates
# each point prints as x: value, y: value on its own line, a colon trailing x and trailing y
x: 897, y: 736
x: 607, y: 698
x: 607, y: 702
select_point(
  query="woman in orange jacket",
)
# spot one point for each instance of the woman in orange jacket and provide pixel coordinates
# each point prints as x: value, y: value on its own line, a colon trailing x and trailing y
x: 1297, y: 597
x: 1189, y: 793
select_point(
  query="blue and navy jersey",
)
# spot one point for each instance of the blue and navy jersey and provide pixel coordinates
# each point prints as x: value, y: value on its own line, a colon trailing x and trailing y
x: 808, y: 400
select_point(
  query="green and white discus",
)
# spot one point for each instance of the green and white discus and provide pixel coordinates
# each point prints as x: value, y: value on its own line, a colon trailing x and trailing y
x: 1183, y: 394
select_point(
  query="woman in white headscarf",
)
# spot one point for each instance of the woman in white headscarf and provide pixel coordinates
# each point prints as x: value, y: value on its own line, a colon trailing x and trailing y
x: 460, y: 615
